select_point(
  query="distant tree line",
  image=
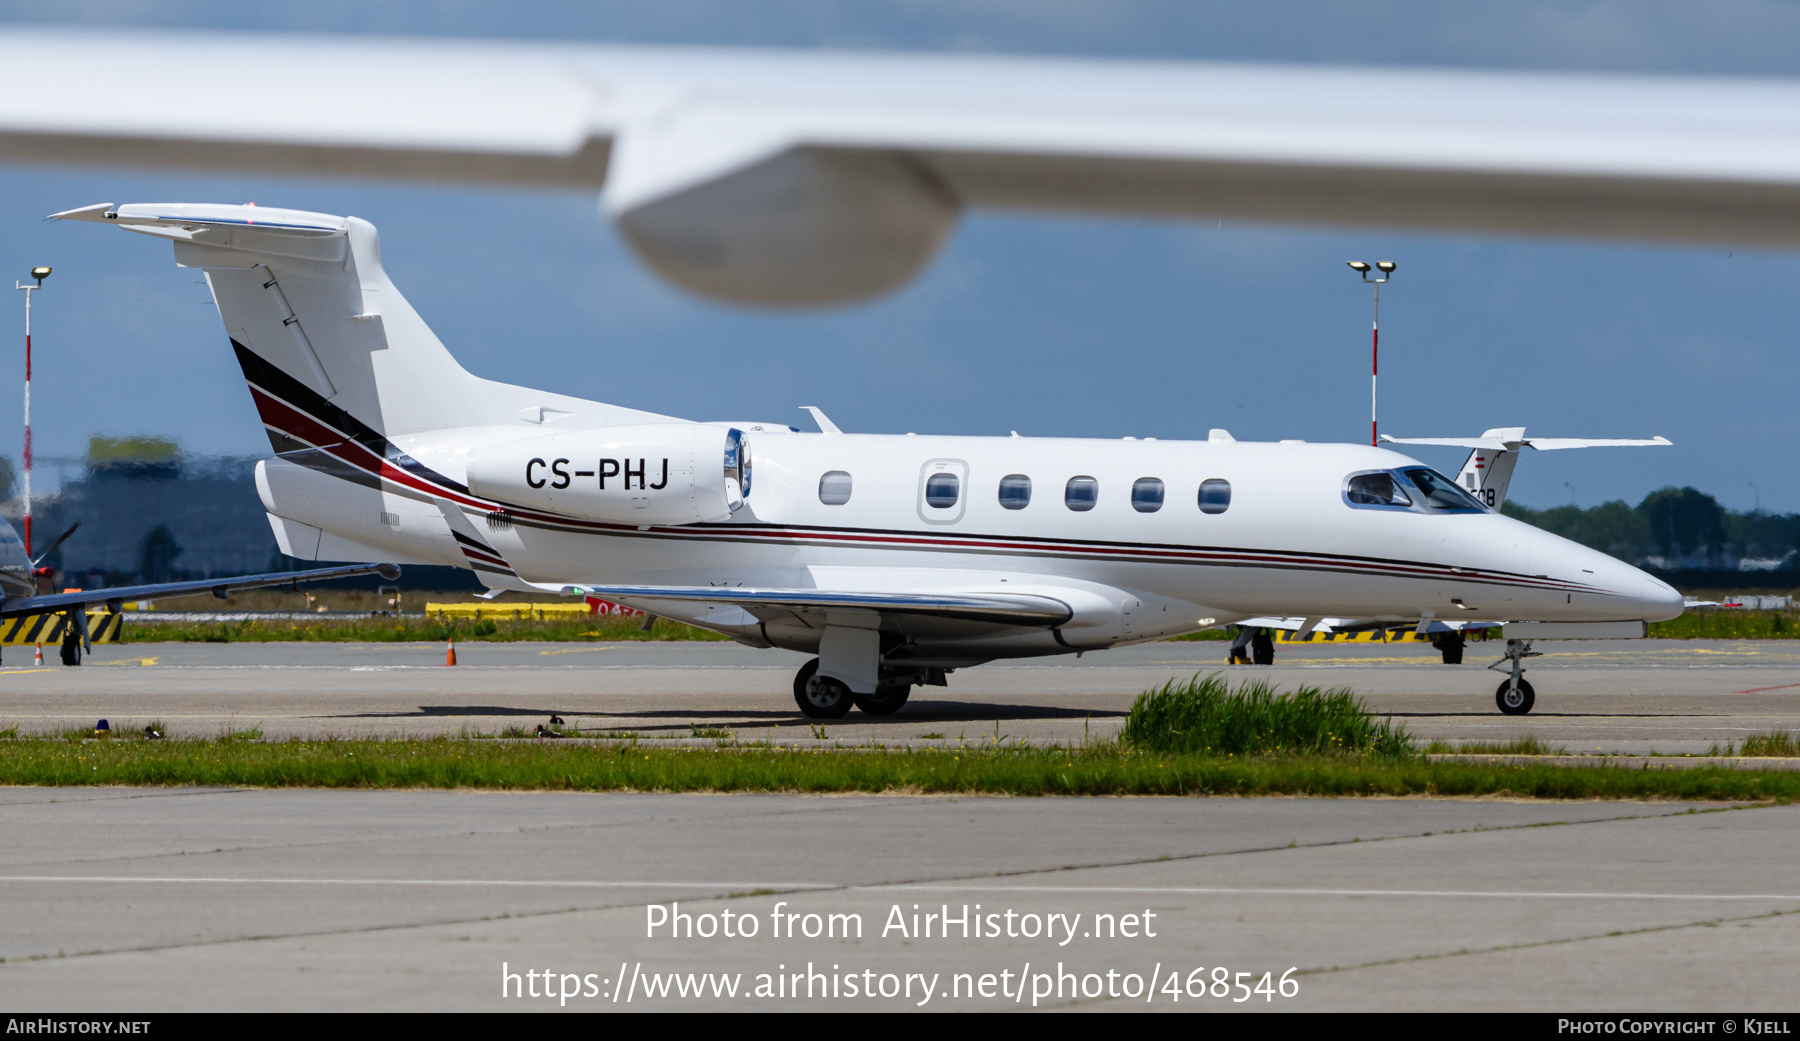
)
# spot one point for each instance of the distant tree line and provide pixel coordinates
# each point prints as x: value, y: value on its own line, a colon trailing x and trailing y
x: 1673, y: 528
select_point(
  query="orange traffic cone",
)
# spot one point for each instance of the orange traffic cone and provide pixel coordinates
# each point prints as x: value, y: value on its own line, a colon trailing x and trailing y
x: 450, y: 653
x: 39, y: 660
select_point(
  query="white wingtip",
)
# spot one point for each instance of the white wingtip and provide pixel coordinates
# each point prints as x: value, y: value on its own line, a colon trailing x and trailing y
x: 100, y: 212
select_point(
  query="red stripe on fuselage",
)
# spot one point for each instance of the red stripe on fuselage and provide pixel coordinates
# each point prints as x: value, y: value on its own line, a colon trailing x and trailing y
x: 290, y: 420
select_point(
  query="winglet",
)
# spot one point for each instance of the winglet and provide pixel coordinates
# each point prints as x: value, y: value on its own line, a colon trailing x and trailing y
x: 826, y: 426
x: 100, y: 211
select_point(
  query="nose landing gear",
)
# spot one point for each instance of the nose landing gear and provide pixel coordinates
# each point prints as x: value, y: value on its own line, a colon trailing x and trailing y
x: 1515, y: 696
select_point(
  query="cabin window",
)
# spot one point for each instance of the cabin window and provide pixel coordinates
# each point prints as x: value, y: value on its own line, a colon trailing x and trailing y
x: 1081, y: 494
x: 1147, y: 495
x: 942, y: 491
x: 1215, y: 496
x: 834, y: 488
x: 1015, y: 491
x: 1441, y: 493
x: 1376, y: 489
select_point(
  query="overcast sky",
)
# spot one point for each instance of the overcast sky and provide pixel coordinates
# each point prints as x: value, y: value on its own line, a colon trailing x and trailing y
x: 1045, y: 325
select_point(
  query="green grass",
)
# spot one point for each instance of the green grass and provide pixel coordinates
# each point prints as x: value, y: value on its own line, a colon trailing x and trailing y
x: 1207, y: 716
x: 577, y: 766
x: 608, y: 628
x: 1526, y: 745
x: 1780, y: 744
x: 1720, y: 624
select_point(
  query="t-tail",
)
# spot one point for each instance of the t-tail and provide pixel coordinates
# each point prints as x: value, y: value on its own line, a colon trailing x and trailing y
x: 349, y: 382
x: 1492, y: 456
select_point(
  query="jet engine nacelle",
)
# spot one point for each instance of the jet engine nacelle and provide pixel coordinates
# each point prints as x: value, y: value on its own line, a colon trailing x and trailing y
x: 675, y: 473
x: 806, y: 227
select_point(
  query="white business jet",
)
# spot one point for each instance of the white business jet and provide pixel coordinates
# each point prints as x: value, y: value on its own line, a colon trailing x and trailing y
x: 895, y: 559
x: 1485, y: 474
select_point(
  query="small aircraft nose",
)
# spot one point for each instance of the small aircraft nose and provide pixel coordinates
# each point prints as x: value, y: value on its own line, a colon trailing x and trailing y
x: 1658, y: 600
x: 1650, y: 598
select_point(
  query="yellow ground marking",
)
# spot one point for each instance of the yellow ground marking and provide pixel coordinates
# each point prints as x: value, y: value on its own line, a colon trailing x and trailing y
x: 581, y: 650
x: 14, y: 672
x: 142, y: 662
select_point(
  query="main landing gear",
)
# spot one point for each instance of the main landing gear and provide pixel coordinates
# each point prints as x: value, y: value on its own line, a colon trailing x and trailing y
x: 824, y: 697
x: 1515, y: 696
x: 1257, y: 641
x: 1450, y: 645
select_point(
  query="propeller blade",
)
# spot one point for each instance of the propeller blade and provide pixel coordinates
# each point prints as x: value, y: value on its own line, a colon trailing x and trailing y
x: 59, y: 541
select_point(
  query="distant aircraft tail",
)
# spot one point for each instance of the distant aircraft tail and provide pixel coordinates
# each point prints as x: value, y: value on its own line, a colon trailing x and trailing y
x: 1492, y: 456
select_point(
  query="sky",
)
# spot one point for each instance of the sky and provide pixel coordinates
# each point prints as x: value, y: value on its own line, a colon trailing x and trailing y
x: 1045, y: 325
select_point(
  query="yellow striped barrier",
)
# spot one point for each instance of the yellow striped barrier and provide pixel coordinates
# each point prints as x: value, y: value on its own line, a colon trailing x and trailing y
x: 1372, y: 636
x: 103, y: 627
x: 509, y: 612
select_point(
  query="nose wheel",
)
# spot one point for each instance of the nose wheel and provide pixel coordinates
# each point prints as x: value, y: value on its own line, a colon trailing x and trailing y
x: 1515, y: 696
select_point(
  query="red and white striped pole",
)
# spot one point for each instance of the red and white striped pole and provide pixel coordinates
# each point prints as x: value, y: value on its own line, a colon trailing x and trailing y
x: 39, y: 273
x: 1386, y: 267
x: 1374, y: 365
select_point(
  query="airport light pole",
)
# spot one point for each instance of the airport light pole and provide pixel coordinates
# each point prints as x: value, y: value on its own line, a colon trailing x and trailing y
x: 1386, y: 267
x: 39, y: 273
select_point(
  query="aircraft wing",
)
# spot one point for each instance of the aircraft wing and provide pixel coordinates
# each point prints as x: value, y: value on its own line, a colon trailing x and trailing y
x: 53, y: 602
x: 1004, y: 609
x: 807, y: 177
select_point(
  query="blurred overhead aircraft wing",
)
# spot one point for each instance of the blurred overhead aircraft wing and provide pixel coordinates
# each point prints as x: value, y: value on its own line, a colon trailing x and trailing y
x: 811, y: 177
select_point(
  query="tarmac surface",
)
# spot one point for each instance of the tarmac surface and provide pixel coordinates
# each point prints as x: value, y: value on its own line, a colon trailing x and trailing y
x: 1615, y: 697
x: 146, y: 900
x: 180, y: 899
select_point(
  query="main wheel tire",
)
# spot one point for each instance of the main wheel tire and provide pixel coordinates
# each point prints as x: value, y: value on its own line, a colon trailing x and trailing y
x: 1262, y: 649
x: 886, y: 700
x: 1515, y: 705
x: 71, y: 652
x: 821, y: 697
x: 1452, y: 647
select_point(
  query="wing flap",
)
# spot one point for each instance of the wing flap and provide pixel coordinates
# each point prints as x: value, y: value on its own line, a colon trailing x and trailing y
x: 1000, y: 608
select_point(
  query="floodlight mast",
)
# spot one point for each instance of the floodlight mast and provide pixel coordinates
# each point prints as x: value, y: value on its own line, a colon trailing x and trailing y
x: 39, y: 273
x: 1386, y: 267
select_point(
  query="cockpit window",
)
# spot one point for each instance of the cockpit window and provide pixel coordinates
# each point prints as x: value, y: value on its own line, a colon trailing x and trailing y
x: 1376, y: 489
x: 1441, y: 493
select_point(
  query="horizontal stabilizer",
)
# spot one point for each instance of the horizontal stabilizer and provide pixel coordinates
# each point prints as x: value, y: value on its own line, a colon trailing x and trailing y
x: 1547, y: 444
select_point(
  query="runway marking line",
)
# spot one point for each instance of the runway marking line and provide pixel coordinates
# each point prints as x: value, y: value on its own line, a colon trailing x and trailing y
x: 1759, y: 690
x: 513, y: 883
x: 916, y: 887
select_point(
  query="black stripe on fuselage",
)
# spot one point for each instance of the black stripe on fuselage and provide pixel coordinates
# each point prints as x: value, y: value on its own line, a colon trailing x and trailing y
x: 297, y: 395
x: 261, y: 374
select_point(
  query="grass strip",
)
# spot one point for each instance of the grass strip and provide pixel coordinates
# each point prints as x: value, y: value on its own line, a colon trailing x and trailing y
x: 1204, y: 714
x: 585, y: 629
x: 1103, y: 770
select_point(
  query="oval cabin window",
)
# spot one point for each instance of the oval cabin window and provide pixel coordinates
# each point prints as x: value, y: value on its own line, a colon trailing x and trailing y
x: 834, y: 488
x: 942, y: 490
x: 1215, y: 496
x: 1015, y: 491
x: 1147, y: 495
x: 1081, y: 494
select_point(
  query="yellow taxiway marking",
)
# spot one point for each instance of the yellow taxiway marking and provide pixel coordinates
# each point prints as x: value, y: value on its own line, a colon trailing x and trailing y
x: 141, y: 662
x: 581, y: 650
x: 14, y: 672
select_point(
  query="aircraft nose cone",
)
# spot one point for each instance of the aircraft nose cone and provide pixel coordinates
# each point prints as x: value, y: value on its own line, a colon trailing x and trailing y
x: 1658, y: 599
